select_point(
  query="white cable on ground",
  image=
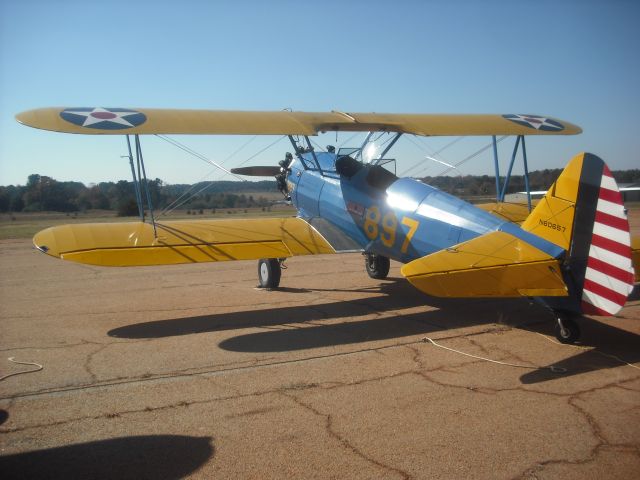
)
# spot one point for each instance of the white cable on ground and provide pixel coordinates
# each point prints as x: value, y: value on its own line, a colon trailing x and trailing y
x: 553, y: 368
x: 11, y: 359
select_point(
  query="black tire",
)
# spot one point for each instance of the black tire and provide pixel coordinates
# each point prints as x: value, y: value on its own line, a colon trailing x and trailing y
x: 569, y: 332
x: 269, y: 272
x: 377, y: 266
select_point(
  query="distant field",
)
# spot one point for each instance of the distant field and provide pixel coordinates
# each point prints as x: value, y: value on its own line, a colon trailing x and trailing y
x: 25, y: 225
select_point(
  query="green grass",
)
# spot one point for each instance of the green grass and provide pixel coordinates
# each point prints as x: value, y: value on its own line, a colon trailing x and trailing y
x: 26, y: 225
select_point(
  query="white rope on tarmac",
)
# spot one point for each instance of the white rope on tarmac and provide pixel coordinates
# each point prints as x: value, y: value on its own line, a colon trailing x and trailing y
x: 553, y: 368
x: 11, y: 359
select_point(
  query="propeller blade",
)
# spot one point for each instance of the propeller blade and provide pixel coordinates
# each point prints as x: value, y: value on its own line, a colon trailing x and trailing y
x: 257, y: 171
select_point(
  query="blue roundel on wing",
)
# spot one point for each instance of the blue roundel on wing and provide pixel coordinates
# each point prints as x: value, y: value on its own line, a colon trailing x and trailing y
x: 536, y: 122
x: 103, y: 118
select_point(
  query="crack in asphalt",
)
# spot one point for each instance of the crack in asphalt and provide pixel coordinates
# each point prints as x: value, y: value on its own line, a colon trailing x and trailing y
x: 213, y: 370
x: 331, y: 431
x: 601, y: 442
x: 419, y: 369
x: 89, y: 359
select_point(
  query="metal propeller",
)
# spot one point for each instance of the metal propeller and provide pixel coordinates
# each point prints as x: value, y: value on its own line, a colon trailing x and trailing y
x: 257, y: 171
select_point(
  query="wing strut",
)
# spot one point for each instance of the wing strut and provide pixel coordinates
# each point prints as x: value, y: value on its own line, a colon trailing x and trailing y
x: 140, y: 181
x: 501, y: 192
x: 136, y: 185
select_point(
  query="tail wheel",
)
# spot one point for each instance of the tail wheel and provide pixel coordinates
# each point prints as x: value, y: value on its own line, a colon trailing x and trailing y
x: 269, y: 272
x: 567, y: 330
x: 377, y: 265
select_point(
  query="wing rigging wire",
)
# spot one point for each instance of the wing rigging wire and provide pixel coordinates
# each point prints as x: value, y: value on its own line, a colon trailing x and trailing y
x: 473, y: 155
x: 173, y: 205
x: 177, y: 202
x: 196, y: 154
x: 238, y: 149
x: 421, y: 145
x: 259, y: 152
x: 455, y: 165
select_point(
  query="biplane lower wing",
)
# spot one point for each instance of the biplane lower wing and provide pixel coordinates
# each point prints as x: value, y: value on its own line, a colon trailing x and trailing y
x: 136, y: 244
x: 494, y: 265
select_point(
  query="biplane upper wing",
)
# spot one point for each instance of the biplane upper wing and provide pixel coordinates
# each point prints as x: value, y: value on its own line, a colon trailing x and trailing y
x: 114, y: 121
x: 135, y: 244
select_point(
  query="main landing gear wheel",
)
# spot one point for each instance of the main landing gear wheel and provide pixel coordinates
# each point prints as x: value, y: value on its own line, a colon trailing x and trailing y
x: 377, y: 265
x: 269, y: 272
x: 567, y: 330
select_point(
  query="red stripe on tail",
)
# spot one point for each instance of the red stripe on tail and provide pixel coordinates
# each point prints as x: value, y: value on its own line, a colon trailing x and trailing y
x: 610, y: 245
x: 611, y: 221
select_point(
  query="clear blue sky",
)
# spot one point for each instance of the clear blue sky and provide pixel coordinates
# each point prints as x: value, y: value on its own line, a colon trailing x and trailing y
x: 576, y: 60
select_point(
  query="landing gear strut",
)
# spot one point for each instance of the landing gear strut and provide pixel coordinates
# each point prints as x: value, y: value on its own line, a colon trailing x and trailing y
x: 269, y: 272
x: 567, y: 330
x: 377, y: 265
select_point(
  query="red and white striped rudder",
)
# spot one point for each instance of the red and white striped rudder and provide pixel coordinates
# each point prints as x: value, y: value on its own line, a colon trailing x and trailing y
x: 608, y: 278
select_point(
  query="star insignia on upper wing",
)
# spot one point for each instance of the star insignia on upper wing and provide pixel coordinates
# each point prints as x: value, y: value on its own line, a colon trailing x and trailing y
x: 535, y: 121
x: 103, y: 118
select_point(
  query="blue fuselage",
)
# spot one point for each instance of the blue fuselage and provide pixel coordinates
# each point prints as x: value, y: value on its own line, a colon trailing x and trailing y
x: 400, y: 218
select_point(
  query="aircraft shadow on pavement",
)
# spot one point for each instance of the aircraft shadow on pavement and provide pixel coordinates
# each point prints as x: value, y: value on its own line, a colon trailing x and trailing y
x: 394, y: 295
x: 153, y: 456
x: 317, y: 330
x: 604, y: 343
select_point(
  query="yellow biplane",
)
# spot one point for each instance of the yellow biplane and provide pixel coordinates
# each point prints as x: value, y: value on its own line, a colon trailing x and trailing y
x: 572, y: 252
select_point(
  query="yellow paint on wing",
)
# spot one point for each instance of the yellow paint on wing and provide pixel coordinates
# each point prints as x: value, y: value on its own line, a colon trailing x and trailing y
x: 134, y: 244
x: 493, y: 265
x: 230, y: 122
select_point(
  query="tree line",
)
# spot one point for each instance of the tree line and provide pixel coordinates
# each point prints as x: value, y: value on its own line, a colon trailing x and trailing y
x: 475, y: 185
x: 42, y: 193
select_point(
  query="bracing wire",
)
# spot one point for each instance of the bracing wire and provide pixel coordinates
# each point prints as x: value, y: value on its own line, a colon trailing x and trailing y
x: 351, y: 137
x: 432, y: 154
x: 177, y: 202
x: 313, y: 142
x: 197, y: 155
x: 169, y: 208
x: 464, y: 160
x: 473, y: 155
x: 238, y: 150
x: 263, y: 150
x: 166, y: 210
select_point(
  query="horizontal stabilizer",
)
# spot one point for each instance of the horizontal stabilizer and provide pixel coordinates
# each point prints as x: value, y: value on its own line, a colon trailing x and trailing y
x: 134, y: 243
x: 494, y: 265
x: 514, y: 212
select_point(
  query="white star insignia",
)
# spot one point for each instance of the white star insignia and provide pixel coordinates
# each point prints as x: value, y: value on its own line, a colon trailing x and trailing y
x: 537, y: 122
x: 100, y: 114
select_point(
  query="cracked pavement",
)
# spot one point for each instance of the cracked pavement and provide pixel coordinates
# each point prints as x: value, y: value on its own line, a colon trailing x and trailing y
x: 190, y: 371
